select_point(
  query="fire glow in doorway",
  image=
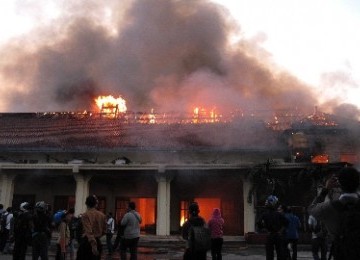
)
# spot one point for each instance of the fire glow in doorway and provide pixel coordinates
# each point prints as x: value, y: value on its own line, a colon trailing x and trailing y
x: 206, y: 206
x: 145, y: 206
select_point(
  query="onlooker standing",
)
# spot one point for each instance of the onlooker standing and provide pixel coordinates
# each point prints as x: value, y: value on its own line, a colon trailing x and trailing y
x: 318, y: 238
x: 275, y: 223
x: 41, y: 235
x: 291, y: 232
x: 216, y: 227
x: 72, y: 229
x: 110, y: 229
x: 64, y: 235
x: 23, y: 225
x: 94, y: 226
x: 6, y: 218
x: 339, y: 215
x: 194, y: 221
x: 131, y: 221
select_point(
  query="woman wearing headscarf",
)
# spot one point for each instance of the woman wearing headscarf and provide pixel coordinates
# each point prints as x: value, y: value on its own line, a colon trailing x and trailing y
x: 216, y: 227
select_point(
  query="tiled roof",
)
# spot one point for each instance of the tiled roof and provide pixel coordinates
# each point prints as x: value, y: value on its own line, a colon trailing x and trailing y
x: 19, y: 131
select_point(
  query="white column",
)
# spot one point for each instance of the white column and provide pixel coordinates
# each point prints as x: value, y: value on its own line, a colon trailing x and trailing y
x: 249, y: 209
x: 163, y: 203
x: 6, y: 189
x: 82, y: 191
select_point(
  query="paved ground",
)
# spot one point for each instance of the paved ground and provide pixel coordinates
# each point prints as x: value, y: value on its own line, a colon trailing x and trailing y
x: 248, y: 253
x: 171, y: 248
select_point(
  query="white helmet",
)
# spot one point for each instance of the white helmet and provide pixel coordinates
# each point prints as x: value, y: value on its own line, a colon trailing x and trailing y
x: 41, y: 206
x: 24, y: 206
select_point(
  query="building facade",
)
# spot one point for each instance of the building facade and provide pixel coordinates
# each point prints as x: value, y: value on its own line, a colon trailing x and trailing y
x: 162, y: 168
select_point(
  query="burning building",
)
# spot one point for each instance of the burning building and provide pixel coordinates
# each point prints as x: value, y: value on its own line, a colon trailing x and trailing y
x: 162, y: 164
x: 225, y: 133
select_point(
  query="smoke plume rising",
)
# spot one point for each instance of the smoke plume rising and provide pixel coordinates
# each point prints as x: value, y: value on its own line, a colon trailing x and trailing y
x: 162, y: 54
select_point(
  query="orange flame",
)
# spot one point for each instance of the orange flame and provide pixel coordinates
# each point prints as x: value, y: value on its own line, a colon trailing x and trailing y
x: 111, y: 105
x: 203, y: 115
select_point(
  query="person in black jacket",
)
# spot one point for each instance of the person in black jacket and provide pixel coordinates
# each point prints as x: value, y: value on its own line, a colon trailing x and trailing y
x: 194, y: 220
x: 275, y: 223
x: 23, y: 225
x: 41, y: 233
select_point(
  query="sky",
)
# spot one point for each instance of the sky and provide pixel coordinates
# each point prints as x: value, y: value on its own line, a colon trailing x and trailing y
x: 315, y: 41
x: 312, y: 39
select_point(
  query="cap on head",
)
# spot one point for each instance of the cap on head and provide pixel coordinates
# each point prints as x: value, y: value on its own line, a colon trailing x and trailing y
x: 271, y: 201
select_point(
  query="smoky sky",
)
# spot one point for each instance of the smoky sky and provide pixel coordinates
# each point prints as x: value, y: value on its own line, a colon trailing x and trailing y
x: 162, y: 54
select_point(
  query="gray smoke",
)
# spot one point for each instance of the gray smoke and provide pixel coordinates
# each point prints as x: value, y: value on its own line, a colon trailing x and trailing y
x: 162, y: 54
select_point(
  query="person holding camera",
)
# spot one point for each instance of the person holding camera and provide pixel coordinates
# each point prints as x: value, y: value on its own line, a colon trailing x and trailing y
x: 341, y: 216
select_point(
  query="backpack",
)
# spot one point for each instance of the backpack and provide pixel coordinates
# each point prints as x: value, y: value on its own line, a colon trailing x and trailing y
x: 77, y: 229
x: 3, y: 221
x: 200, y: 238
x: 346, y: 244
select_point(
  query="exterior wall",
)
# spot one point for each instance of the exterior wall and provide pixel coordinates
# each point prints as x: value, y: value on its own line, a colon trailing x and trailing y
x: 112, y: 185
x: 129, y: 185
x: 44, y: 187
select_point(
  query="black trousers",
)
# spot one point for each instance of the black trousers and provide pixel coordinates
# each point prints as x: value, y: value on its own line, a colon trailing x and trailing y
x: 4, y: 236
x: 130, y: 244
x: 275, y: 241
x: 216, y: 248
x: 85, y: 251
x: 189, y: 255
x: 20, y: 247
x: 293, y: 244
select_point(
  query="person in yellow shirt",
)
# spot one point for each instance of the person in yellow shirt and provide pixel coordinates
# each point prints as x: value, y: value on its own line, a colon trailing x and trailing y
x: 93, y: 222
x: 64, y: 235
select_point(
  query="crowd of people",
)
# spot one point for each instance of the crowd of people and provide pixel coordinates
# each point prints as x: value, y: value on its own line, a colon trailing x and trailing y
x: 334, y: 222
x: 32, y: 226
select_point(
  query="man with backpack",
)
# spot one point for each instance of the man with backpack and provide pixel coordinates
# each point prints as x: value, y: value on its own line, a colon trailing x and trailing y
x: 5, y: 229
x: 41, y: 231
x: 275, y: 224
x: 196, y: 234
x: 131, y: 222
x: 341, y: 217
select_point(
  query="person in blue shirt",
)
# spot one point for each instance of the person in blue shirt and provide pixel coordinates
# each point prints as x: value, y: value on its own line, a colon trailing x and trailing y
x: 291, y: 232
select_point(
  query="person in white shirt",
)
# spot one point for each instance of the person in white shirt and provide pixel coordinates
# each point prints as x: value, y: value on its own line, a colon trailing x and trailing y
x: 318, y: 238
x: 131, y: 221
x: 110, y: 229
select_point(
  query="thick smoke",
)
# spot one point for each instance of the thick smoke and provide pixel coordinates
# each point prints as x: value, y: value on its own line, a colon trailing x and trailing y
x: 162, y: 54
